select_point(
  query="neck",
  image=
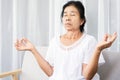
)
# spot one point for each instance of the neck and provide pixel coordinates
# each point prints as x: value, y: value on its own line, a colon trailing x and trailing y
x: 73, y: 34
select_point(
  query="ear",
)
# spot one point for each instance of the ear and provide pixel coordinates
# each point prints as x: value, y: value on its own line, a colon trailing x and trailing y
x: 82, y: 21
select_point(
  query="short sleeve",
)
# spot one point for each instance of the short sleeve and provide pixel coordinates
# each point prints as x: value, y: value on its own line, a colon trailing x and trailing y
x: 90, y: 47
x: 50, y: 53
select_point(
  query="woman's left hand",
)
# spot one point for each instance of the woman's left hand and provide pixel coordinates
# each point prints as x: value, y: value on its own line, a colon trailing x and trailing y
x: 106, y: 41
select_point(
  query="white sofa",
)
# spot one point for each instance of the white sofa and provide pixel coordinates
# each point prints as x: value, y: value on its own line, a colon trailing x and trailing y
x: 30, y: 67
x: 31, y: 70
x: 111, y: 69
x: 108, y: 71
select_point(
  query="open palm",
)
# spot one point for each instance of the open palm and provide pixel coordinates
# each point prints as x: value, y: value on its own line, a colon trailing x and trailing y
x: 24, y: 44
x: 107, y: 41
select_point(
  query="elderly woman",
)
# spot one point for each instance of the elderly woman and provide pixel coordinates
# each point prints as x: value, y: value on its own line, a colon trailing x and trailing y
x: 74, y: 55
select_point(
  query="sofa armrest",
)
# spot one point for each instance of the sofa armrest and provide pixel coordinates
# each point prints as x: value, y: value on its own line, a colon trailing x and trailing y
x: 13, y: 73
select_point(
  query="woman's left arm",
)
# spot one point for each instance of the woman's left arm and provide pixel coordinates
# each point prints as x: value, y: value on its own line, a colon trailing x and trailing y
x: 90, y: 69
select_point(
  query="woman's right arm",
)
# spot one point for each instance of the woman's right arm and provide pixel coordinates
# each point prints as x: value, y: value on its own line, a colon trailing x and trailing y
x: 24, y: 44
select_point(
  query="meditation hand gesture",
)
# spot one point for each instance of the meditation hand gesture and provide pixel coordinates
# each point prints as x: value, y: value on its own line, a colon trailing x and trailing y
x: 24, y: 44
x: 106, y: 41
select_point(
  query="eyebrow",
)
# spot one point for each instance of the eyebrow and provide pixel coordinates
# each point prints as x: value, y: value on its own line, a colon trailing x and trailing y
x: 72, y: 12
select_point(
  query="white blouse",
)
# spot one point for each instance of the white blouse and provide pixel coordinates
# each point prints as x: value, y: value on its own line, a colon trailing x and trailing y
x: 67, y: 60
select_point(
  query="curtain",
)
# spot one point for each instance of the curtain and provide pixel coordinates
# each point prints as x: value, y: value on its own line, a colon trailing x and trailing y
x: 33, y: 19
x: 0, y: 38
x: 103, y: 16
x: 5, y: 35
x: 109, y: 20
x: 21, y: 18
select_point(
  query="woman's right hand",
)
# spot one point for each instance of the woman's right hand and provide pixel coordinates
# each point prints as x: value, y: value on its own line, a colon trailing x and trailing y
x: 24, y: 44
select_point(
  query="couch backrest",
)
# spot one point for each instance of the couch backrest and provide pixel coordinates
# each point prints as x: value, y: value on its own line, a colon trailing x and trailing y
x: 108, y: 71
x: 111, y: 69
x: 30, y: 67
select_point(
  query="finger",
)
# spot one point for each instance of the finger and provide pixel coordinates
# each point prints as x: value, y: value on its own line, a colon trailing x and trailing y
x: 17, y: 43
x: 25, y: 40
x: 114, y: 36
x: 105, y: 37
x: 18, y: 48
x: 22, y: 40
x: 109, y: 37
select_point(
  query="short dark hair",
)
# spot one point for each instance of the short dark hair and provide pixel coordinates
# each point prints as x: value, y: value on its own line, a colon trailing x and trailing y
x: 79, y: 6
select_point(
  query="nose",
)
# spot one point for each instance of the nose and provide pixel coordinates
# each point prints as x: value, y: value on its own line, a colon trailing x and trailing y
x: 68, y: 18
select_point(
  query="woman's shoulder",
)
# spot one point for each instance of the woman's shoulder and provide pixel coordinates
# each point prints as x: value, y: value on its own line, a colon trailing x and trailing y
x: 90, y: 41
x: 90, y: 38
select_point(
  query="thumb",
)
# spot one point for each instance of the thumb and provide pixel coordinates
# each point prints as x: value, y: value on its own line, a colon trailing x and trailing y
x: 105, y: 37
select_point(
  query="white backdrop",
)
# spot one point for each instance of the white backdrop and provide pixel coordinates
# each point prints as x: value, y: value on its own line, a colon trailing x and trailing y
x: 39, y: 21
x: 109, y: 20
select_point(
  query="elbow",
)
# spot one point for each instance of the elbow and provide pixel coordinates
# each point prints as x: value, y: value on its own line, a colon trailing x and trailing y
x: 89, y: 76
x: 48, y: 70
x: 49, y: 73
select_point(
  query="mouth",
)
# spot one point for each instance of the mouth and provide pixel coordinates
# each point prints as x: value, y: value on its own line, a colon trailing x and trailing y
x: 68, y: 24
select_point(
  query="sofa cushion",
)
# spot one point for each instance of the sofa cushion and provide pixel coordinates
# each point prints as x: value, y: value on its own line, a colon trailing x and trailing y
x: 111, y: 69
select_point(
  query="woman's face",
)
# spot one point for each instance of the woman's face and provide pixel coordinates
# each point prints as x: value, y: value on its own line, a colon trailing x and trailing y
x: 71, y: 18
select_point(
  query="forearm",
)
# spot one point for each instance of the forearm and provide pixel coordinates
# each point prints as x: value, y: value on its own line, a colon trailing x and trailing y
x: 92, y: 66
x: 45, y: 66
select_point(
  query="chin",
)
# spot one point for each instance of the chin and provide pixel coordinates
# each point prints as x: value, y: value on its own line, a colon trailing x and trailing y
x: 69, y: 29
